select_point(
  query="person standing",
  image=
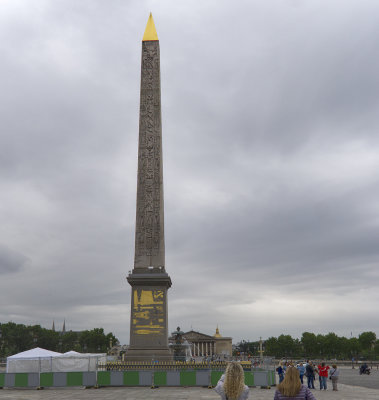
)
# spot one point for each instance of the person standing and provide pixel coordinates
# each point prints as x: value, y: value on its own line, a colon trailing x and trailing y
x: 319, y: 376
x: 231, y: 385
x: 280, y: 372
x: 334, y: 373
x: 291, y: 387
x: 310, y: 374
x: 301, y: 370
x: 323, y: 375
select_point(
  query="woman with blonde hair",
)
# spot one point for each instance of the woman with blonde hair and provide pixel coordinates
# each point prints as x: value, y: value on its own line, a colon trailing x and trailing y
x: 231, y: 385
x: 291, y: 387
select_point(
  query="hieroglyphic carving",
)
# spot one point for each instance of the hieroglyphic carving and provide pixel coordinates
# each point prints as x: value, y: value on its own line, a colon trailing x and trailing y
x: 149, y: 244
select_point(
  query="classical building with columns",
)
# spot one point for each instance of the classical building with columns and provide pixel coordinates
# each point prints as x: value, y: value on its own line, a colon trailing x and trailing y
x: 203, y: 345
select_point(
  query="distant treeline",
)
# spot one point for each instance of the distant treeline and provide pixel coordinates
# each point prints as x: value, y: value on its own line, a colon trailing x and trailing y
x: 313, y: 346
x: 15, y: 338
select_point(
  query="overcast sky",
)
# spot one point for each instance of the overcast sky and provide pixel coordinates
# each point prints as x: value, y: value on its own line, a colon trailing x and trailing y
x: 271, y: 157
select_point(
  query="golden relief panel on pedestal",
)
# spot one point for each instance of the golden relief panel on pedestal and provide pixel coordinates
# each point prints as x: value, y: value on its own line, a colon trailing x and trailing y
x: 148, y: 311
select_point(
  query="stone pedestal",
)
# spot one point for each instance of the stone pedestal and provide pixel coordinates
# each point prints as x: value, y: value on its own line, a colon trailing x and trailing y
x: 148, y: 331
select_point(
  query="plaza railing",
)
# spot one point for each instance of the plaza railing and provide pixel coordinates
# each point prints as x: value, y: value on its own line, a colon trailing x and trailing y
x: 168, y: 366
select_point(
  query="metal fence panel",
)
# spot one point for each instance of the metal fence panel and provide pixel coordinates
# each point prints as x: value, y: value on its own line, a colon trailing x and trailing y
x: 202, y: 378
x: 215, y: 377
x: 187, y: 378
x: 104, y: 378
x: 145, y: 378
x: 131, y: 378
x: 160, y: 378
x: 261, y: 378
x: 117, y: 378
x: 74, y: 378
x: 173, y: 378
x: 59, y: 379
x: 250, y: 379
x: 47, y: 379
x: 2, y: 380
x: 9, y: 380
x: 33, y: 380
x: 89, y: 378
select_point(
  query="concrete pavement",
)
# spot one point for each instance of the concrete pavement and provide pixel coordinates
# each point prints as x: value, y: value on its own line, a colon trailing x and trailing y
x: 345, y: 392
x: 350, y: 376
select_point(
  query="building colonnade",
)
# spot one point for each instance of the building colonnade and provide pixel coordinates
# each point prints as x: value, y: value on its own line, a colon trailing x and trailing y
x: 203, y: 348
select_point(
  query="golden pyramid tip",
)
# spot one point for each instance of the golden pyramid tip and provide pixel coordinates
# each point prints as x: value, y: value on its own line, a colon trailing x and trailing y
x: 150, y: 31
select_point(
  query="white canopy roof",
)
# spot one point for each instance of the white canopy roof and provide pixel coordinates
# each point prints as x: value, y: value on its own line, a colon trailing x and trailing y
x: 35, y: 353
x: 71, y: 353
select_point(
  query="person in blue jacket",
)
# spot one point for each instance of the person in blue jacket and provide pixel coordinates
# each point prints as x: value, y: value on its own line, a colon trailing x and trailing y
x: 300, y: 367
x: 280, y: 372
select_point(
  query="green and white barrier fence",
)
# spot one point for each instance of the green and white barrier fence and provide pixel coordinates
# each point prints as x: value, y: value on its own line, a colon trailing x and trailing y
x: 128, y: 378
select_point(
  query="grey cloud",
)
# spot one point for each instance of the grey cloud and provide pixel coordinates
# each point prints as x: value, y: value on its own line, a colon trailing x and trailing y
x: 270, y: 157
x: 11, y: 261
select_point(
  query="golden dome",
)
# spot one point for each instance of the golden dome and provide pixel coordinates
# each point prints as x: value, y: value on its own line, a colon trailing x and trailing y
x: 217, y: 334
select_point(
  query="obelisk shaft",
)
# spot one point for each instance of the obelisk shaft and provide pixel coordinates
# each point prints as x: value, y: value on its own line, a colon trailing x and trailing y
x: 149, y: 240
x: 149, y: 280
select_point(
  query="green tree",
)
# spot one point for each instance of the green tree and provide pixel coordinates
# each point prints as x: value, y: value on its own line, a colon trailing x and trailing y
x: 243, y: 346
x: 18, y: 337
x: 95, y: 341
x: 376, y: 350
x: 15, y: 338
x: 367, y: 340
x: 271, y: 347
x: 45, y: 338
x: 69, y: 341
x: 298, y: 349
x: 286, y: 346
x: 354, y: 347
x: 331, y: 345
x: 320, y: 339
x: 344, y: 347
x: 309, y: 342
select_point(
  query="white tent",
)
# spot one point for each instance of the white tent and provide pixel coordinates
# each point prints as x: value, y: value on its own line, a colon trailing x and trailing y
x: 41, y: 360
x: 33, y: 360
x: 73, y: 361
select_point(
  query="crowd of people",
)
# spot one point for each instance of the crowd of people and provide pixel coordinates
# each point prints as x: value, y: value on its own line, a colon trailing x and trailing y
x: 231, y: 385
x: 310, y: 370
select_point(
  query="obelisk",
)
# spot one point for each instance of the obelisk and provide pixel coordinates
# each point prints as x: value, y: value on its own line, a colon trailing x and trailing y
x: 148, y: 279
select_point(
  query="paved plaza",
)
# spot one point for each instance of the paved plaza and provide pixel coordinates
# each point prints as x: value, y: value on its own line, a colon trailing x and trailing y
x: 345, y: 393
x: 351, y: 376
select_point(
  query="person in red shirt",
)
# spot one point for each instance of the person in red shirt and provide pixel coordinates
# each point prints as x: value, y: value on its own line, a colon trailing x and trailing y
x: 323, y: 374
